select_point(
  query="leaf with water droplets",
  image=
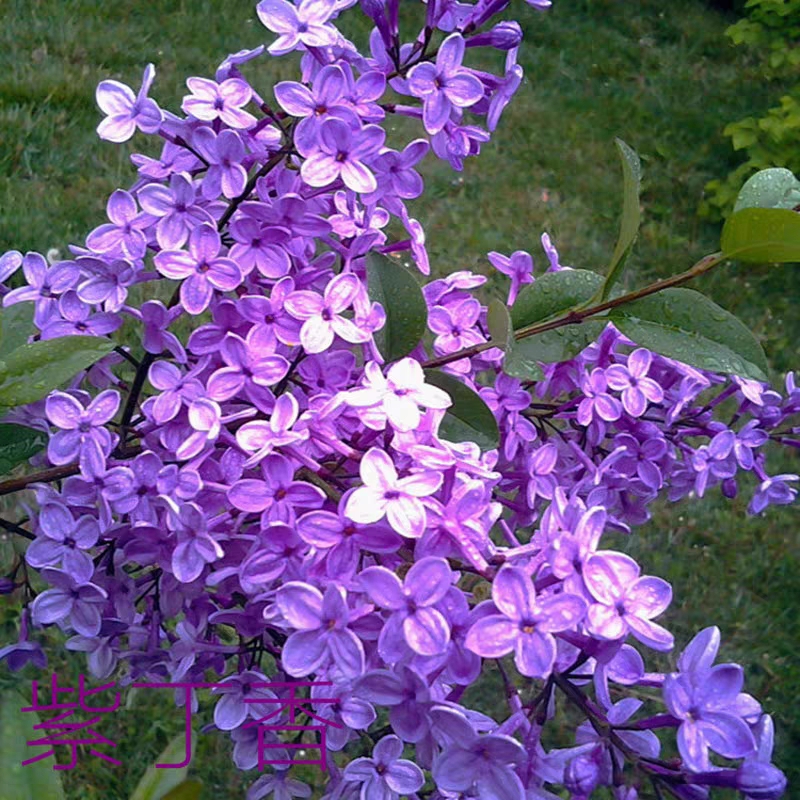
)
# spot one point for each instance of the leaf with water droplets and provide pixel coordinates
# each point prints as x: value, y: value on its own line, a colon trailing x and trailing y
x: 769, y: 188
x: 393, y: 286
x: 685, y: 325
x: 18, y: 444
x: 553, y: 294
x: 762, y: 236
x: 16, y: 326
x: 34, y: 370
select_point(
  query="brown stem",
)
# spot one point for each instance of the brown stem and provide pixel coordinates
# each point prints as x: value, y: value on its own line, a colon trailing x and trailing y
x: 43, y: 476
x: 577, y: 316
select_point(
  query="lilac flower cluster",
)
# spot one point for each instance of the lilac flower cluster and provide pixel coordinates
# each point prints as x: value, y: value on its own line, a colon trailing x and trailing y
x: 264, y: 493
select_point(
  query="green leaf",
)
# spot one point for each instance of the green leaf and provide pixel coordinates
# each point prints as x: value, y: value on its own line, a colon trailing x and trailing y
x: 37, y: 781
x: 769, y: 188
x: 18, y: 444
x: 762, y: 236
x: 631, y: 215
x: 16, y: 325
x: 552, y: 294
x: 560, y: 344
x: 501, y: 329
x: 469, y: 419
x: 157, y: 783
x: 34, y: 370
x: 393, y: 286
x: 188, y: 790
x: 687, y: 326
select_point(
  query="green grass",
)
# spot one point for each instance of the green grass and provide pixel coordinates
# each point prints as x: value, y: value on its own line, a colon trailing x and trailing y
x: 661, y: 77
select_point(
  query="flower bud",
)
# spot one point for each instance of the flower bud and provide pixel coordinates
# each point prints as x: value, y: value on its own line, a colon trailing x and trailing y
x: 729, y: 488
x: 760, y: 781
x: 582, y: 774
x: 504, y: 36
x: 7, y: 586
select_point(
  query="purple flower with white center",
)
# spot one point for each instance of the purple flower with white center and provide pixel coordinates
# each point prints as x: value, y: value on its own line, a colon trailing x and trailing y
x: 304, y: 24
x: 321, y: 632
x: 77, y: 319
x: 626, y: 602
x: 455, y: 325
x: 224, y: 101
x: 109, y: 282
x: 196, y: 546
x: 341, y: 152
x: 259, y: 438
x: 341, y: 540
x: 322, y: 101
x: 71, y: 602
x: 125, y: 111
x: 124, y: 234
x: 83, y: 434
x: 176, y: 208
x: 64, y: 539
x: 637, y: 389
x: 773, y: 491
x: 260, y: 246
x: 224, y: 153
x: 710, y: 704
x: 385, y: 495
x: 322, y: 315
x: 240, y: 698
x: 485, y: 762
x: 597, y: 403
x: 445, y: 84
x: 250, y: 366
x: 156, y: 339
x: 276, y: 493
x: 385, y: 776
x: 202, y: 269
x: 518, y: 266
x: 44, y: 285
x: 399, y: 393
x: 411, y: 602
x: 525, y: 624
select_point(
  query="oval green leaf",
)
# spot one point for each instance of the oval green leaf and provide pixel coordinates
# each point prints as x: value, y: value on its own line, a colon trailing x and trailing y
x: 769, y: 188
x: 550, y: 347
x: 552, y: 294
x: 469, y: 419
x: 394, y: 287
x: 631, y: 215
x: 34, y: 370
x: 157, y: 783
x: 18, y: 444
x: 16, y: 326
x: 37, y: 781
x: 762, y: 236
x: 498, y: 320
x: 685, y: 325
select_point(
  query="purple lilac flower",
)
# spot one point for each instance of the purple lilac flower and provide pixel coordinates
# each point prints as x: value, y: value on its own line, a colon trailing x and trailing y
x: 125, y: 111
x: 303, y: 24
x: 384, y: 494
x: 124, y: 234
x: 83, y: 433
x: 411, y: 602
x: 210, y: 100
x: 260, y: 246
x: 773, y: 491
x: 259, y: 438
x: 395, y: 172
x: 10, y: 262
x: 385, y: 776
x: 597, y: 403
x: 625, y: 601
x: 637, y: 389
x: 201, y: 269
x: 77, y: 319
x: 710, y: 704
x: 455, y: 325
x: 23, y: 651
x: 444, y: 84
x: 270, y: 314
x: 44, y: 285
x: 340, y: 152
x: 278, y: 785
x: 525, y: 624
x: 196, y: 546
x: 518, y: 266
x: 321, y: 632
x: 71, y: 602
x: 156, y: 339
x: 108, y: 283
x: 224, y: 153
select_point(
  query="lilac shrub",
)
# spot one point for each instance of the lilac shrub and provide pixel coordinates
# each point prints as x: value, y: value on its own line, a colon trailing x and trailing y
x: 298, y: 464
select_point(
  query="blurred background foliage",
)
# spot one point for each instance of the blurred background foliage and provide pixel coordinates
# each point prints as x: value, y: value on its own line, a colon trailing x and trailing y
x: 664, y: 77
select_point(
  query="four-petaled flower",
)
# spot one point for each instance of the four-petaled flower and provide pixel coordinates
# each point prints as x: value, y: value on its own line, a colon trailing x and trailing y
x: 126, y: 111
x: 385, y: 776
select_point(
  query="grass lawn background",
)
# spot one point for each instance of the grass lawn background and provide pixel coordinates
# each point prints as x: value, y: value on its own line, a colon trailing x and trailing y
x: 660, y: 76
